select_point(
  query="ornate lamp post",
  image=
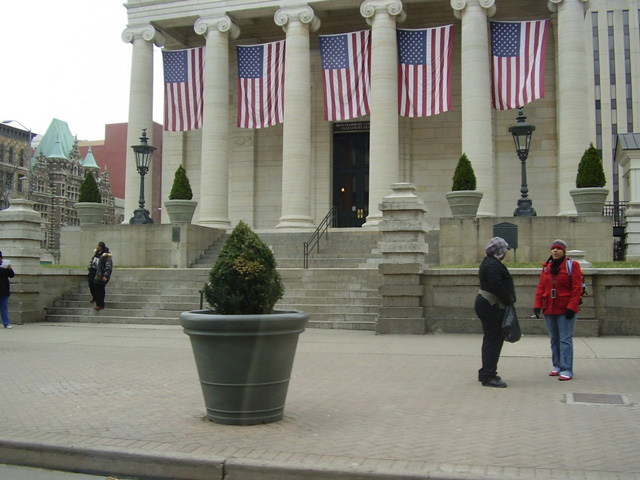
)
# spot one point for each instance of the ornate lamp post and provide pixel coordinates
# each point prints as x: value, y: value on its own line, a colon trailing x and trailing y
x: 522, y: 138
x: 144, y: 153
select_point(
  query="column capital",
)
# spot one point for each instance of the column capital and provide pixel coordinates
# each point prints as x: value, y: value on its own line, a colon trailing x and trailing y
x: 304, y: 15
x: 552, y: 5
x: 221, y: 23
x: 460, y: 5
x: 146, y: 32
x: 369, y: 8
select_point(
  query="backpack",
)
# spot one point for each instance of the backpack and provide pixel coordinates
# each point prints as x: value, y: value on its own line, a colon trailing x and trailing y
x: 584, y: 285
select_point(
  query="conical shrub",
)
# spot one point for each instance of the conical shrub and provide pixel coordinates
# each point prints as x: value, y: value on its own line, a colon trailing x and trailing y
x: 244, y: 279
x: 590, y: 170
x: 464, y: 178
x: 89, y: 191
x: 181, y: 188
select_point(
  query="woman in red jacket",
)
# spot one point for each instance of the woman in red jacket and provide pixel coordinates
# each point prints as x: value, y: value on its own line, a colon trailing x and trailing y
x: 558, y: 298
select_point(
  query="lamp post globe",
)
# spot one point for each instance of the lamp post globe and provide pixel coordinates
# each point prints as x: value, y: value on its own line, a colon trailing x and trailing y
x: 144, y: 154
x: 522, y: 133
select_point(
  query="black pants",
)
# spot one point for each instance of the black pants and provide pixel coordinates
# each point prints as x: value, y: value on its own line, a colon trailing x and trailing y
x: 90, y: 277
x: 491, y: 318
x: 99, y: 293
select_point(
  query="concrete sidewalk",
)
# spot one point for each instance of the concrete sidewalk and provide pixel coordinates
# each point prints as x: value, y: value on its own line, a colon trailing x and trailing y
x: 125, y: 401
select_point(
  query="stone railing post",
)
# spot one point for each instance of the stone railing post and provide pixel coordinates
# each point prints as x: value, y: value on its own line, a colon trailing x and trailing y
x: 404, y: 247
x: 20, y: 237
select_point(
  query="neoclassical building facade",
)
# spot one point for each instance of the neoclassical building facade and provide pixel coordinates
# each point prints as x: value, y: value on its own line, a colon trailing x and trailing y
x: 288, y: 176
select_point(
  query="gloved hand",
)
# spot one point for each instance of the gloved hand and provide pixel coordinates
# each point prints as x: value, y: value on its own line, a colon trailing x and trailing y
x: 569, y: 314
x: 536, y: 312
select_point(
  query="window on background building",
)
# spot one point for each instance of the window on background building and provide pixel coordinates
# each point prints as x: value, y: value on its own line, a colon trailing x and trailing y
x: 627, y: 70
x: 11, y: 155
x: 614, y: 98
x: 21, y: 181
x: 596, y: 77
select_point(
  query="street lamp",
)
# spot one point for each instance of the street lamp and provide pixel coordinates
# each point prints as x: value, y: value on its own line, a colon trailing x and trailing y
x: 143, y: 152
x: 522, y: 138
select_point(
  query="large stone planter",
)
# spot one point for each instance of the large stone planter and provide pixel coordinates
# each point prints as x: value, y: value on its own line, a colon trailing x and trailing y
x: 244, y: 362
x: 180, y: 211
x: 589, y: 201
x: 464, y: 203
x: 90, y: 213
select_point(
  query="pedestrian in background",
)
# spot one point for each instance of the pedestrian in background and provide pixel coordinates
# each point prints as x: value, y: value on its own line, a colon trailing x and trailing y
x: 6, y: 272
x: 558, y: 298
x: 93, y: 268
x: 102, y: 276
x: 496, y: 292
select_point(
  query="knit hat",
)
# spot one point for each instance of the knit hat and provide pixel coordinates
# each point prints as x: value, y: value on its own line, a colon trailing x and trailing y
x: 497, y: 247
x: 561, y: 244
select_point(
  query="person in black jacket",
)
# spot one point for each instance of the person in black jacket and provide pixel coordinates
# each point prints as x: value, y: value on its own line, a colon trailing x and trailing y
x: 496, y: 292
x: 102, y: 276
x: 93, y: 268
x: 6, y: 272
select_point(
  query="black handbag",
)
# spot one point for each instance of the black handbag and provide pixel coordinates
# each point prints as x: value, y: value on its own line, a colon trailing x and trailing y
x: 510, y: 326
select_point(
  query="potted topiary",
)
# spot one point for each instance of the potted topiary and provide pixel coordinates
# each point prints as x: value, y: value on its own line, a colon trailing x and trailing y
x: 90, y: 208
x: 464, y: 199
x: 590, y: 195
x: 243, y: 348
x: 180, y: 207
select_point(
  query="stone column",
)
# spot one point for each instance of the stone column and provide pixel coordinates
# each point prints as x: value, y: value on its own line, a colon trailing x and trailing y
x: 21, y: 235
x: 384, y: 150
x: 572, y: 110
x: 214, y: 162
x: 404, y: 247
x: 477, y: 134
x: 296, y: 137
x: 140, y: 111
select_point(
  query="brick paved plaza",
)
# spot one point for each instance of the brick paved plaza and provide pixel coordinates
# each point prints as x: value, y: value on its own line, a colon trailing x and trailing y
x: 124, y: 400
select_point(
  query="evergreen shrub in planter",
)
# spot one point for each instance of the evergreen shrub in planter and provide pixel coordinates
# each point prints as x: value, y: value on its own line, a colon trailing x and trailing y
x: 243, y: 348
x: 180, y: 206
x: 463, y: 198
x: 590, y: 195
x: 90, y: 208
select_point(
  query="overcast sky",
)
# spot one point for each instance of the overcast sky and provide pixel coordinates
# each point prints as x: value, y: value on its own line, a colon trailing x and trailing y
x: 65, y: 59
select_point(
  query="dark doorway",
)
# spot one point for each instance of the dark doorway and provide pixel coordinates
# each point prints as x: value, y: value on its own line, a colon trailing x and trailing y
x: 351, y: 177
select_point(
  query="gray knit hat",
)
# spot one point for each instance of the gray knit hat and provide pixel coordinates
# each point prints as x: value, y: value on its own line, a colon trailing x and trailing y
x: 560, y: 244
x: 497, y: 247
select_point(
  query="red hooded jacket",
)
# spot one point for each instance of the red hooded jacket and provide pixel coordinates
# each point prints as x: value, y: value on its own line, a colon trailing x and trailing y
x: 568, y: 290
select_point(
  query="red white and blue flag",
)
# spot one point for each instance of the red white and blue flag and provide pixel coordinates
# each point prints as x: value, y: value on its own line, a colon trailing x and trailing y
x: 518, y: 54
x: 183, y: 89
x: 424, y: 71
x: 346, y: 67
x: 261, y: 84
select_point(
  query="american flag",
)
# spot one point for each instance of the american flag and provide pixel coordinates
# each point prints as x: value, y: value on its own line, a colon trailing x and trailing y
x: 183, y: 88
x: 261, y: 85
x: 346, y: 66
x: 518, y: 51
x: 424, y: 71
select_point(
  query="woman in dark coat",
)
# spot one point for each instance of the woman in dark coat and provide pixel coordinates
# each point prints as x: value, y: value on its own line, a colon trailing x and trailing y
x: 496, y: 292
x: 6, y: 272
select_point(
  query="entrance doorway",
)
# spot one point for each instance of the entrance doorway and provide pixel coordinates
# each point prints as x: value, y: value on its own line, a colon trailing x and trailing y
x: 351, y: 175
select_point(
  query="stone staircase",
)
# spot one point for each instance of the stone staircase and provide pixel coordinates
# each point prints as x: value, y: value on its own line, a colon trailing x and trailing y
x: 339, y: 290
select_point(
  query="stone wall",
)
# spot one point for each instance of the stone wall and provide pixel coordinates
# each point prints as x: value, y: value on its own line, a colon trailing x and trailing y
x: 157, y: 245
x: 462, y: 240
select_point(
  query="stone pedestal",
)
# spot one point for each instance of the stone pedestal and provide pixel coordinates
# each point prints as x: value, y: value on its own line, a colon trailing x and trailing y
x: 632, y: 232
x: 20, y: 241
x: 403, y: 247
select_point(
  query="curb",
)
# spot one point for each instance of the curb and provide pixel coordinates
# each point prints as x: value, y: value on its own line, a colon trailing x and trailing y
x: 174, y: 466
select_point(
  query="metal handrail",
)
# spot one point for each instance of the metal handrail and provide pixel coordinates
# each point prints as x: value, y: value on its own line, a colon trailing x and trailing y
x: 616, y: 210
x: 314, y: 241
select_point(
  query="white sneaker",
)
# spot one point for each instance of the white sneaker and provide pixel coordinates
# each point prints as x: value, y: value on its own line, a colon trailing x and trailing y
x: 9, y: 326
